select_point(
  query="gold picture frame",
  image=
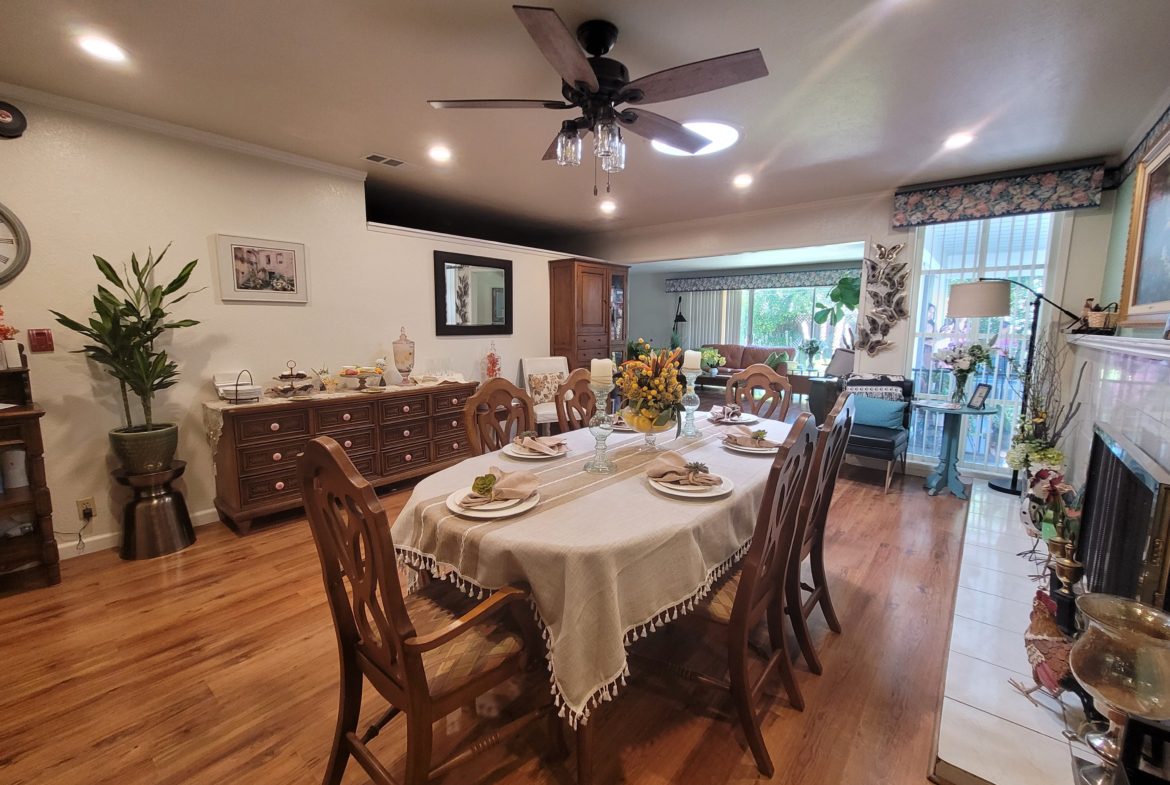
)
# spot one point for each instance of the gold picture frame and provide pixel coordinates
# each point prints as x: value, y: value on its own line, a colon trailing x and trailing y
x: 1145, y: 293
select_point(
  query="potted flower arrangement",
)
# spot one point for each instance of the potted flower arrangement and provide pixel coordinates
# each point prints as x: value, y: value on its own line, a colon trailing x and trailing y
x: 651, y: 394
x: 963, y: 360
x: 810, y: 348
x: 7, y: 333
x: 122, y: 332
x: 711, y: 359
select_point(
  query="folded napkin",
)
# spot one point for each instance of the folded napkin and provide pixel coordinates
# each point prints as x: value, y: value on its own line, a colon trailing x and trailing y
x: 742, y: 435
x: 508, y: 485
x: 549, y: 445
x: 671, y: 467
x: 730, y: 412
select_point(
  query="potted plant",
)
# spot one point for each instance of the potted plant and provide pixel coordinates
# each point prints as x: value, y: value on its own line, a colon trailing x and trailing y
x: 845, y: 296
x: 810, y: 348
x: 122, y: 331
x: 711, y: 360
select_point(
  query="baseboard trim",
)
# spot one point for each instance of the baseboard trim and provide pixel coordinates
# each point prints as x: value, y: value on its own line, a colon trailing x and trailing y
x: 94, y: 543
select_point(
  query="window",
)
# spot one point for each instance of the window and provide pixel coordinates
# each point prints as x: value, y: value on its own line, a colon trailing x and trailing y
x: 1021, y: 248
x: 784, y: 317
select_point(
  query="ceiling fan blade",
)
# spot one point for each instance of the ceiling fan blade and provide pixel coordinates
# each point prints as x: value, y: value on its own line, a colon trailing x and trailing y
x: 551, y: 153
x: 694, y: 78
x: 500, y: 103
x: 655, y: 126
x: 557, y: 45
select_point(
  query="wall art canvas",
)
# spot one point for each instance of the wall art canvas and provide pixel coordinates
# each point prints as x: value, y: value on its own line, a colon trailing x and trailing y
x: 885, y: 288
x: 1147, y: 270
x: 253, y: 270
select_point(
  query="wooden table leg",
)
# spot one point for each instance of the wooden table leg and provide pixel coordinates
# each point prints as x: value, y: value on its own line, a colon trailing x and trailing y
x: 585, y: 753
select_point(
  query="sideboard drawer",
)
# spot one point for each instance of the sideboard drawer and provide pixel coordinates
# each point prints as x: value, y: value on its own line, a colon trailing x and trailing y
x: 261, y: 427
x: 585, y: 355
x: 449, y: 424
x: 404, y: 409
x: 261, y: 459
x: 405, y: 458
x: 357, y: 441
x: 336, y: 418
x: 453, y: 401
x: 276, y: 485
x: 367, y: 465
x: 454, y: 447
x: 405, y: 433
x: 592, y: 341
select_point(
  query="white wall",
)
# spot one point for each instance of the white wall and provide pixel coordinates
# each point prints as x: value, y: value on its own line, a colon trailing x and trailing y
x: 82, y: 186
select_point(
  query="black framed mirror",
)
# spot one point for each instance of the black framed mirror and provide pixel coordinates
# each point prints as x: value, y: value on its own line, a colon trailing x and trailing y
x: 473, y: 295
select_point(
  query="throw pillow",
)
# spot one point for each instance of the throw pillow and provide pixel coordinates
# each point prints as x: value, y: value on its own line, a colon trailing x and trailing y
x: 876, y: 386
x: 775, y: 359
x: 544, y: 386
x: 878, y: 412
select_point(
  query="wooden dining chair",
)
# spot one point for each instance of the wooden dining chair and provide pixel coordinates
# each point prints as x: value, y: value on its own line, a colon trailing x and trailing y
x: 427, y: 654
x: 775, y: 393
x: 754, y: 591
x: 811, y: 521
x: 576, y: 403
x: 495, y: 414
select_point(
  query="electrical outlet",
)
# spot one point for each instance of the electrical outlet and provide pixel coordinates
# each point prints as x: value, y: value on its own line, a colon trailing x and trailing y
x: 86, y: 508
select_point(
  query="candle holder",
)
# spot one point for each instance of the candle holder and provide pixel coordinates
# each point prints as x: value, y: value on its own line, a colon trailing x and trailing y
x: 690, y: 402
x: 601, y: 426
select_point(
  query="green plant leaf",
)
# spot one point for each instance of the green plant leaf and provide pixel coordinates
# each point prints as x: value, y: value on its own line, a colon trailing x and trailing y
x: 108, y: 271
x: 181, y: 279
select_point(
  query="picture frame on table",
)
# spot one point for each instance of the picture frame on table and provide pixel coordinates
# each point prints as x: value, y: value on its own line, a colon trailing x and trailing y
x: 978, y: 397
x: 1145, y: 298
x: 252, y: 270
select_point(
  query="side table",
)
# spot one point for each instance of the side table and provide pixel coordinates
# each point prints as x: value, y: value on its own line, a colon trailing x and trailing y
x: 155, y: 522
x: 945, y: 476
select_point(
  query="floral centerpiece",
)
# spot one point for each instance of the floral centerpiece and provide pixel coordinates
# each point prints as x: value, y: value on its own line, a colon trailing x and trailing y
x: 638, y: 348
x: 651, y: 393
x: 810, y: 348
x: 7, y: 331
x: 1042, y: 426
x: 963, y: 360
x: 711, y: 359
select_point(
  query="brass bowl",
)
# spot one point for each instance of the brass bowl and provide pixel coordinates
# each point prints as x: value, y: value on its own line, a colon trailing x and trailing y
x: 1068, y: 571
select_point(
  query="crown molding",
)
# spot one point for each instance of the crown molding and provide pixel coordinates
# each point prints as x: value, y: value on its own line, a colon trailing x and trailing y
x: 142, y: 123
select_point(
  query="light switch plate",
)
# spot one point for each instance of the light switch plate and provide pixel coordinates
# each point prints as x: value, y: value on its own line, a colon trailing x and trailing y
x: 40, y: 340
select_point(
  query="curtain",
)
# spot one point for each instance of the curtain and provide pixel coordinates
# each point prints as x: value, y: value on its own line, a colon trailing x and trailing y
x: 704, y: 312
x: 733, y: 316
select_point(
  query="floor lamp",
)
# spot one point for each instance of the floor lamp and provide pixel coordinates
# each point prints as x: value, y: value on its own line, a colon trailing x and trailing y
x: 989, y: 297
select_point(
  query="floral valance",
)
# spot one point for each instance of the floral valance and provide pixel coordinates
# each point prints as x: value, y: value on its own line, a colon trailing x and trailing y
x: 784, y: 280
x: 1019, y: 194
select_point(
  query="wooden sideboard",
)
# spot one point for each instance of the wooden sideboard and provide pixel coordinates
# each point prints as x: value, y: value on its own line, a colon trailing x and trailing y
x: 30, y: 559
x: 389, y: 436
x: 587, y: 310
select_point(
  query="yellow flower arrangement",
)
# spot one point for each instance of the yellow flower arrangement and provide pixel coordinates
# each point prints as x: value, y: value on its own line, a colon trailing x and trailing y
x: 651, y: 392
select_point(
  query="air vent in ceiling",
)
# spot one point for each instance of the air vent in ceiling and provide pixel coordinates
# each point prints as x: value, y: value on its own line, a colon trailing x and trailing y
x: 384, y: 160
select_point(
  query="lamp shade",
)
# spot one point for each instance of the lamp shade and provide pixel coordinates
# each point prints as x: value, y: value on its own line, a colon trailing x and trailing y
x: 981, y: 298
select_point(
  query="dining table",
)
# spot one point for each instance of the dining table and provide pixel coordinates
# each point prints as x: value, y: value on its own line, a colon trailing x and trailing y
x: 608, y: 558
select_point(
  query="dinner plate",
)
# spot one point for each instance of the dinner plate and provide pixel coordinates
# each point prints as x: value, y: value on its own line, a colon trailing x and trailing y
x: 751, y: 450
x: 743, y: 419
x: 706, y: 493
x: 519, y: 452
x: 490, y: 510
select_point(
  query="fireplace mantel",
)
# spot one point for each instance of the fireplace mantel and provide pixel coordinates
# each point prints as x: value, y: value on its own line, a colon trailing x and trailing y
x: 1153, y: 348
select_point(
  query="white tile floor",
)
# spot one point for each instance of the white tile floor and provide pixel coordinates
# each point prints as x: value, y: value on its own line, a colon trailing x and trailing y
x: 989, y: 732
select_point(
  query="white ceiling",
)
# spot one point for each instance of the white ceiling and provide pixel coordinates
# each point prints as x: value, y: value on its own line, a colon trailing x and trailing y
x: 861, y: 92
x: 781, y: 257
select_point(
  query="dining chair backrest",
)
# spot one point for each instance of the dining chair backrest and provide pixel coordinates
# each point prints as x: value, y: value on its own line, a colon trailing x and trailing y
x: 352, y: 533
x: 495, y: 414
x: 822, y: 477
x: 775, y: 392
x: 766, y: 564
x: 576, y: 402
x: 535, y: 365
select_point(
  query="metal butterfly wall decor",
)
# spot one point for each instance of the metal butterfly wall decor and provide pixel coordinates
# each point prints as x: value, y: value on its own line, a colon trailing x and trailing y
x: 885, y: 286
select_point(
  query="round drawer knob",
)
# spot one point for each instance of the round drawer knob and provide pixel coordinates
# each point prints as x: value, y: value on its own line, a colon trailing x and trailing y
x: 406, y: 408
x: 274, y: 427
x: 406, y: 432
x: 454, y: 423
x: 408, y: 457
x: 454, y: 401
x: 279, y: 486
x: 346, y: 417
x: 276, y: 456
x: 454, y: 445
x: 347, y: 444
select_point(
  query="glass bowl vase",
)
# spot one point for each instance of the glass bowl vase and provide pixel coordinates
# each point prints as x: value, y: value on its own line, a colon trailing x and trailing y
x: 644, y: 422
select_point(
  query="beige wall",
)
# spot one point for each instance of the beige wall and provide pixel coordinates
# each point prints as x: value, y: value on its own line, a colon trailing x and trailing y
x: 82, y: 186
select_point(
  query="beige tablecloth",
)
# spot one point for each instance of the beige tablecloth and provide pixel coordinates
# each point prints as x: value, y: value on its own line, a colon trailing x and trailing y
x: 608, y: 558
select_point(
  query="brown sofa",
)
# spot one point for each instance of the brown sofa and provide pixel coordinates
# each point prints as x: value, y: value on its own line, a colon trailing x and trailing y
x: 740, y: 356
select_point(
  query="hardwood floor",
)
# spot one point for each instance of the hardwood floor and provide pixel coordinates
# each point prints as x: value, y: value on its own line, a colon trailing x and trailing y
x: 218, y: 665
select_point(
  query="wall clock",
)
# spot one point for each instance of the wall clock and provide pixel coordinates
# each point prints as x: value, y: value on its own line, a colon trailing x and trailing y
x: 14, y: 245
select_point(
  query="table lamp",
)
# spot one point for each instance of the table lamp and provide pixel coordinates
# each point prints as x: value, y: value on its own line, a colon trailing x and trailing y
x: 989, y: 297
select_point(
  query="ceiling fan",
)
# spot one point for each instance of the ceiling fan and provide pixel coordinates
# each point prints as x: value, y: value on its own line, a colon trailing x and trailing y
x: 598, y: 85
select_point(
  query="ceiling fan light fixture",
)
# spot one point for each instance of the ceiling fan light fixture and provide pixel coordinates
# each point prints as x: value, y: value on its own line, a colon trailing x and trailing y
x: 721, y: 135
x: 569, y: 147
x: 616, y: 161
x: 607, y: 137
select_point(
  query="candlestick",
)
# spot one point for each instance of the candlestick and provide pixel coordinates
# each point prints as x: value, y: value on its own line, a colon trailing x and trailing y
x: 690, y: 402
x: 601, y: 426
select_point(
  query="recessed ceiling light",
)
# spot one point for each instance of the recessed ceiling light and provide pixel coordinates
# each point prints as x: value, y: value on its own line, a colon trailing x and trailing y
x: 102, y: 48
x: 742, y: 180
x: 721, y: 135
x: 961, y: 139
x: 440, y: 153
x: 607, y: 206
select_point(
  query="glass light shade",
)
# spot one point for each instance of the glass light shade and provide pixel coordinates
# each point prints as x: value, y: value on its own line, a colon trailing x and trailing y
x: 978, y: 299
x: 607, y: 137
x: 615, y: 162
x: 569, y: 148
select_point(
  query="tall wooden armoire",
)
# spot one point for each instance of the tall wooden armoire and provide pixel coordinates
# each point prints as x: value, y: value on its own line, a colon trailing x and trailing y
x: 587, y: 317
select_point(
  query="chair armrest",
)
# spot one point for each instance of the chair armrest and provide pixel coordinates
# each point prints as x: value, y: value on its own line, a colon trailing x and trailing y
x: 477, y: 615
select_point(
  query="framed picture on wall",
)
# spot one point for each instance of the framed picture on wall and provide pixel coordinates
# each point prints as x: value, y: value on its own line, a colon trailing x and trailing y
x: 261, y: 271
x: 979, y: 396
x: 1146, y: 293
